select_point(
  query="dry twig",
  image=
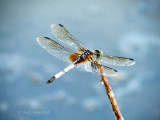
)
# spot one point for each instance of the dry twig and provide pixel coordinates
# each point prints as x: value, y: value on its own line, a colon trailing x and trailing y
x: 110, y: 95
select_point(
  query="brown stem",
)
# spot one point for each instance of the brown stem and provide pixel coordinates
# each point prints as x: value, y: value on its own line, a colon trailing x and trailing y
x: 111, y: 95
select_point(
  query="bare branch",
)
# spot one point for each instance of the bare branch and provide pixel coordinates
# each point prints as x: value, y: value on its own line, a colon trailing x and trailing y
x: 110, y: 95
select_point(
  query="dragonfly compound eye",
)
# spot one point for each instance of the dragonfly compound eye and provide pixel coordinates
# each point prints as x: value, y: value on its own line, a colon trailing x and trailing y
x: 99, y: 54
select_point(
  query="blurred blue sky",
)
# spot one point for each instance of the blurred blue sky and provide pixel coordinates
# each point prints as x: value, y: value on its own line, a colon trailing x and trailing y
x: 128, y: 28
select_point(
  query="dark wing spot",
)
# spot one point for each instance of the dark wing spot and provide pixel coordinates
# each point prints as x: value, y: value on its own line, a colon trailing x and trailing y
x: 115, y: 71
x: 61, y: 25
x: 47, y: 37
x: 131, y: 59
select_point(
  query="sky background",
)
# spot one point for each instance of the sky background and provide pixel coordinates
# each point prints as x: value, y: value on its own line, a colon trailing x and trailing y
x: 126, y: 28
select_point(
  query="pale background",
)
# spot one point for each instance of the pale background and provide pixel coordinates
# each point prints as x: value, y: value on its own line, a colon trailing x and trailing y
x: 128, y: 28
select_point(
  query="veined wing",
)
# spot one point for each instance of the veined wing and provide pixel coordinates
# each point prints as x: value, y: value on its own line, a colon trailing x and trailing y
x: 109, y: 71
x: 55, y: 48
x: 64, y: 36
x: 118, y: 61
x: 93, y: 67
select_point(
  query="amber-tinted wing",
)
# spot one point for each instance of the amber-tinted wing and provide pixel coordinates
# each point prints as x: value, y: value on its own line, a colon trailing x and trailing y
x: 117, y: 61
x: 56, y: 49
x: 64, y: 36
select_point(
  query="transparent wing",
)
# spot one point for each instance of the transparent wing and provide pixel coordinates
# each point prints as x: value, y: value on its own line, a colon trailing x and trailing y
x: 118, y: 61
x: 92, y: 67
x: 108, y: 71
x: 64, y: 36
x: 55, y: 48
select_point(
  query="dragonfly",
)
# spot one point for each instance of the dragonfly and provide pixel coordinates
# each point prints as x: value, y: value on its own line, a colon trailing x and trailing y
x: 79, y: 55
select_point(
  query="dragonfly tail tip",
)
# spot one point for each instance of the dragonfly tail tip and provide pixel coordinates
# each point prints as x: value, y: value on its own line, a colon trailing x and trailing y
x: 51, y: 80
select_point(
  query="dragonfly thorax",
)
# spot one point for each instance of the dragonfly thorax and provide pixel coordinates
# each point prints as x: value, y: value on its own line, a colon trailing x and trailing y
x: 87, y: 56
x: 98, y: 53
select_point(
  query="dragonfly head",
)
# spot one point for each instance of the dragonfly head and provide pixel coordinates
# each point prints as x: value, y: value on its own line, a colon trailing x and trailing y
x: 99, y: 54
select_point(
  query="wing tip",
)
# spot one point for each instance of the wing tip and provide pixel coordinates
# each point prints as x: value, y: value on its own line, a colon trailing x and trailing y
x: 55, y: 25
x: 61, y: 25
x: 52, y: 26
x: 39, y: 39
x: 115, y: 72
x: 131, y: 62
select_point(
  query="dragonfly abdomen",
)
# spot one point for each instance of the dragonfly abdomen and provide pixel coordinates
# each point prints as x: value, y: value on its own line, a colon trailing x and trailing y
x: 61, y: 73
